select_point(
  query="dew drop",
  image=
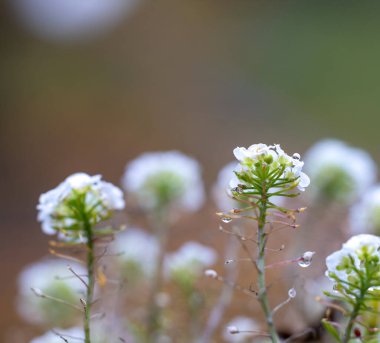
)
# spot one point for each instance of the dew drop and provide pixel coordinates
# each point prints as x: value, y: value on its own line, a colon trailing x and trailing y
x: 306, y: 258
x: 292, y: 293
x: 226, y: 219
x: 304, y: 264
x: 297, y: 156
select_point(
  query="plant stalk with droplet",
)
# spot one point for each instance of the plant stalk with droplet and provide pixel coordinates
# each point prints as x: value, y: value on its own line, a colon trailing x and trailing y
x: 265, y: 172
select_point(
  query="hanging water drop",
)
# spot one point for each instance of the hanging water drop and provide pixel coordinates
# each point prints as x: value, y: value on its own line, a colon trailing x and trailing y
x: 292, y: 293
x: 305, y: 259
x: 304, y: 264
x: 226, y: 220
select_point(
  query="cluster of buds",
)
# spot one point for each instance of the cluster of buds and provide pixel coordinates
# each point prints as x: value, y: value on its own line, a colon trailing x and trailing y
x: 265, y: 168
x: 79, y: 201
x: 355, y: 268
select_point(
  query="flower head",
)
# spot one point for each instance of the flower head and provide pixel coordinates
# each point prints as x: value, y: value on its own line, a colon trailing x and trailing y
x: 138, y: 251
x: 268, y: 165
x: 187, y: 263
x: 365, y: 215
x: 52, y: 278
x: 356, y: 265
x: 339, y: 172
x: 79, y: 200
x: 159, y: 179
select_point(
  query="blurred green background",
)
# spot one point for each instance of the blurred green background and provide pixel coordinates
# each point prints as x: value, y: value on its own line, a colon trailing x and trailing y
x: 198, y: 76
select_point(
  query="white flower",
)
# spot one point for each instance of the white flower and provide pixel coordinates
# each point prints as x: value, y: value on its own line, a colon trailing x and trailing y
x: 276, y: 159
x: 365, y: 215
x: 159, y: 179
x: 359, y: 241
x: 100, y: 199
x: 73, y: 334
x: 234, y: 330
x: 138, y: 252
x: 338, y: 171
x: 191, y: 258
x: 222, y: 191
x: 50, y: 277
x: 254, y: 152
x: 339, y: 262
x: 314, y: 310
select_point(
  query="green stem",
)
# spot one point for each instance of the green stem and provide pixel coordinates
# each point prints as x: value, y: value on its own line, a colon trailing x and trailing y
x: 355, y: 312
x: 91, y: 280
x: 261, y: 243
x: 154, y: 311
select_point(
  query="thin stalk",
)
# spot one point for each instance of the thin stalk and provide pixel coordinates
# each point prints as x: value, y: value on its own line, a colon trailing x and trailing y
x: 261, y: 243
x: 91, y: 280
x: 355, y: 312
x: 154, y: 311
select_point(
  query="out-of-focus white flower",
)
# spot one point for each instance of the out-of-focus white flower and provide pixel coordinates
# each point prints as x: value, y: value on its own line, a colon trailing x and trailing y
x: 66, y: 20
x: 169, y: 178
x: 52, y: 278
x: 356, y: 248
x: 276, y: 160
x: 139, y: 250
x: 365, y: 215
x: 314, y: 310
x: 189, y: 261
x: 221, y: 191
x: 62, y: 208
x: 339, y: 172
x: 234, y: 330
x: 72, y: 335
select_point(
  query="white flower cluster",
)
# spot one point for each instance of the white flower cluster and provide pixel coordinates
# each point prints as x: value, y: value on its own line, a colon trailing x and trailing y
x: 137, y: 252
x: 365, y: 215
x: 159, y: 179
x: 339, y: 172
x: 353, y: 254
x: 100, y: 198
x: 190, y: 259
x: 50, y: 277
x: 275, y: 158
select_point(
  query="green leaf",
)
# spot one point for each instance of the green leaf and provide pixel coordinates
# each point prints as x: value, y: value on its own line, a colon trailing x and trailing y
x: 331, y: 329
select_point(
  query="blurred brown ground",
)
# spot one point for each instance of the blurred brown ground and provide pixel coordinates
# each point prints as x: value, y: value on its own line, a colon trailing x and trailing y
x: 198, y: 76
